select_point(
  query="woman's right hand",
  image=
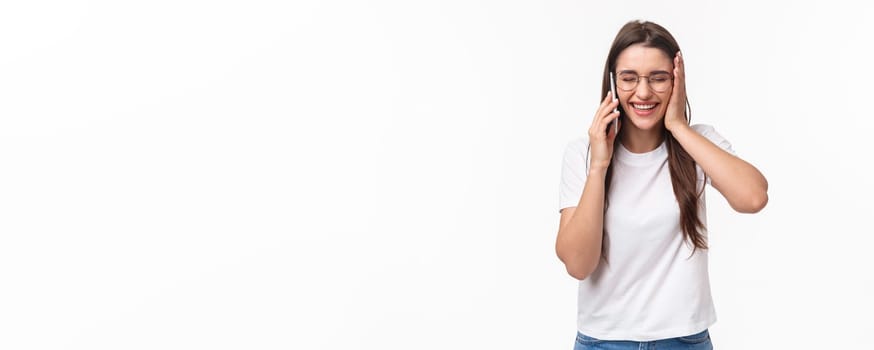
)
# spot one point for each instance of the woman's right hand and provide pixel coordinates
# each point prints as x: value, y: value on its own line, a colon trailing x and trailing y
x: 601, y: 135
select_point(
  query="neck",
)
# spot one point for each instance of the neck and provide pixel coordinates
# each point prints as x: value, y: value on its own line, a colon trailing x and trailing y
x: 641, y: 141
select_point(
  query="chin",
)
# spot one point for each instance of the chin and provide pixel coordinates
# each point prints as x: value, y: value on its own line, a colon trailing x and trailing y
x: 646, y: 123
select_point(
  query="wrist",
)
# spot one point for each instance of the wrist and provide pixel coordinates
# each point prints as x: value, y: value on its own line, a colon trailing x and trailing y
x: 595, y: 171
x: 678, y: 127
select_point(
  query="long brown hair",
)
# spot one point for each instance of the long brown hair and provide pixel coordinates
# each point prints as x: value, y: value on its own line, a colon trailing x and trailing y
x: 684, y: 177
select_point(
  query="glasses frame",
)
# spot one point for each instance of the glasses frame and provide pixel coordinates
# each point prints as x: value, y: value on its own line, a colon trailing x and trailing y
x: 637, y: 82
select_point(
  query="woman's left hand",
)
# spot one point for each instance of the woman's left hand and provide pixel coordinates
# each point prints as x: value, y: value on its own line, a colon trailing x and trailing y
x: 676, y: 113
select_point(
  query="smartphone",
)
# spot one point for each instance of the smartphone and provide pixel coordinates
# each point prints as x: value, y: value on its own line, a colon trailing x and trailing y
x: 613, y: 94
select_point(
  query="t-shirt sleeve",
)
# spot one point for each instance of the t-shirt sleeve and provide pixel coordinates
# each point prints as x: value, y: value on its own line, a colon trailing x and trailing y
x: 573, y: 174
x: 710, y: 133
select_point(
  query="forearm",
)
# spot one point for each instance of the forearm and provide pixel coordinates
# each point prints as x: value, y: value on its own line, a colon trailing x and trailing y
x: 745, y: 188
x: 579, y: 239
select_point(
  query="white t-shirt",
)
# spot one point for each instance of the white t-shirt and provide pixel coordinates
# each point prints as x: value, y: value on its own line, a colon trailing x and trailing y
x: 652, y: 286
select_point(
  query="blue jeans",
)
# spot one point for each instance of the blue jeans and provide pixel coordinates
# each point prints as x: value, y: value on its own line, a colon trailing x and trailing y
x: 700, y: 341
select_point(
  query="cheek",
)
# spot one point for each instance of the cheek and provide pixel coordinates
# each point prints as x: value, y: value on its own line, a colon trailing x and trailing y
x: 624, y: 97
x: 665, y: 96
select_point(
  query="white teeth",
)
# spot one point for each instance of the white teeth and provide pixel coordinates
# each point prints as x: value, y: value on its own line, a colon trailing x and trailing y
x: 643, y: 107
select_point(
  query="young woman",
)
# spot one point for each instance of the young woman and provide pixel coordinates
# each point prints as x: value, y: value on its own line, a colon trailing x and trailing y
x: 633, y: 222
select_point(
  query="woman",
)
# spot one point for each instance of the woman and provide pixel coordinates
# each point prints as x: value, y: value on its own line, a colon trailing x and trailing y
x: 633, y: 221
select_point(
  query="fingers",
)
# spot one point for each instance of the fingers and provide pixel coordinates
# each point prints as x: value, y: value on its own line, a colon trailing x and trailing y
x: 602, y: 134
x: 601, y: 123
x: 613, y: 131
x: 678, y: 94
x: 607, y: 104
x: 679, y: 71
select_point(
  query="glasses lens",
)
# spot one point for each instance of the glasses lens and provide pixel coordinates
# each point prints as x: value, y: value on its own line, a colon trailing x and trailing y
x: 660, y: 82
x: 627, y: 81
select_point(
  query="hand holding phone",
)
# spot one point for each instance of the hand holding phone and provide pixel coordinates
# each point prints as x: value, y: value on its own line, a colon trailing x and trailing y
x: 615, y: 122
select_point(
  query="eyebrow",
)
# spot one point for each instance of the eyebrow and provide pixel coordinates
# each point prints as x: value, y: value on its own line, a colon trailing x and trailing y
x: 650, y: 73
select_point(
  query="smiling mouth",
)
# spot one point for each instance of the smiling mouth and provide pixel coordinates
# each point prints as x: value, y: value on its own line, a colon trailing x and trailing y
x: 644, y: 106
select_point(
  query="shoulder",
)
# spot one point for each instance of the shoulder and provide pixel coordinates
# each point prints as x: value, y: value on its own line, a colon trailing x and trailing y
x: 577, y: 145
x: 703, y: 128
x: 576, y: 149
x: 707, y: 131
x: 710, y: 133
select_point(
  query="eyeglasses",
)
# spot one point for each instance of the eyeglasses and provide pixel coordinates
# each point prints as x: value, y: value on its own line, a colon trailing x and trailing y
x: 658, y: 81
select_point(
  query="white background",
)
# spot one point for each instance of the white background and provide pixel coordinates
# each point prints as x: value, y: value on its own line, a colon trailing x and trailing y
x: 384, y: 174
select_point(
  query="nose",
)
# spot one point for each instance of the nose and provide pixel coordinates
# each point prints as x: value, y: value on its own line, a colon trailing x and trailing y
x: 643, y: 91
